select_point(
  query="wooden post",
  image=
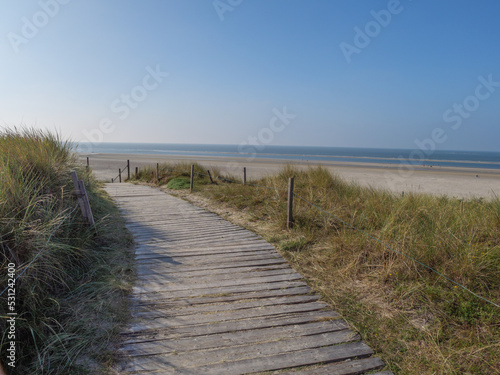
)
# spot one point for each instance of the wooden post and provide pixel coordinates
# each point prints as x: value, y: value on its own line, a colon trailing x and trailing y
x: 210, y: 175
x: 88, y: 163
x: 128, y: 169
x: 157, y: 172
x: 192, y: 179
x: 83, y: 199
x: 119, y: 175
x: 76, y: 184
x: 290, y: 220
x: 83, y: 191
x: 136, y: 171
x: 112, y: 180
x: 244, y: 175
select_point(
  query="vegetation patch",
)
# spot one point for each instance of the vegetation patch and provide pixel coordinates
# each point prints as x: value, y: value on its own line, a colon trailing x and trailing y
x: 179, y: 183
x: 72, y: 279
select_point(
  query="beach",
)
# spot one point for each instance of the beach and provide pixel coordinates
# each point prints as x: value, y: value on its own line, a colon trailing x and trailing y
x: 456, y: 182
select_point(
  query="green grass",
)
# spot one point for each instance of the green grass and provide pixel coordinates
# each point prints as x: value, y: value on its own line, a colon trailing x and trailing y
x: 416, y: 320
x: 71, y: 300
x: 179, y: 183
x: 177, y: 175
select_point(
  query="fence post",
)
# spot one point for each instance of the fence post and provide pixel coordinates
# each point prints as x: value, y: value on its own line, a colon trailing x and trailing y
x: 136, y: 171
x: 128, y: 169
x: 157, y: 172
x: 83, y: 199
x: 88, y: 210
x: 210, y: 175
x: 88, y: 163
x: 119, y: 175
x: 74, y: 177
x: 192, y: 179
x: 290, y: 220
x: 244, y: 175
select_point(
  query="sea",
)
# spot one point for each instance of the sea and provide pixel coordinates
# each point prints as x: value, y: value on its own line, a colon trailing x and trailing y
x: 442, y: 158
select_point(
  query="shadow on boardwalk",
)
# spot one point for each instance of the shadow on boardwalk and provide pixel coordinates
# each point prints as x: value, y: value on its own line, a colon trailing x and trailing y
x: 214, y: 298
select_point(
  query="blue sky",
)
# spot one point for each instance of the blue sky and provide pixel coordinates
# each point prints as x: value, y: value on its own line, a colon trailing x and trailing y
x: 231, y: 64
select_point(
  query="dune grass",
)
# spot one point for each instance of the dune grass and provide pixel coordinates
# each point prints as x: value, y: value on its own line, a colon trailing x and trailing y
x: 417, y: 321
x: 70, y: 300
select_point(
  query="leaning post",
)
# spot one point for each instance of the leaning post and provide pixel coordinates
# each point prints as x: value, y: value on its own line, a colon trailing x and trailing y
x: 290, y: 220
x: 120, y: 175
x: 128, y: 169
x: 192, y: 179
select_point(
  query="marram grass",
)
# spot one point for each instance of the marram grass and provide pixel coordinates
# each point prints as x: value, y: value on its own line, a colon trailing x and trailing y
x: 66, y: 320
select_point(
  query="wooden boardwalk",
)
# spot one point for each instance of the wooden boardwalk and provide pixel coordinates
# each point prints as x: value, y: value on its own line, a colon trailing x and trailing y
x: 214, y: 298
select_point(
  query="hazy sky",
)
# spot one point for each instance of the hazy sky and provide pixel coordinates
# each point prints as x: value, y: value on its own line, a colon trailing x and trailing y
x: 293, y: 72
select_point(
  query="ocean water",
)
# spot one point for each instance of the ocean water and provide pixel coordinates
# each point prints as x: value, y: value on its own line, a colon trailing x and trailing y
x: 463, y: 159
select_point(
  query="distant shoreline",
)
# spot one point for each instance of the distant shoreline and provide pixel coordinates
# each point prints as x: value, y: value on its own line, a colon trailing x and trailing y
x: 298, y: 154
x: 450, y: 181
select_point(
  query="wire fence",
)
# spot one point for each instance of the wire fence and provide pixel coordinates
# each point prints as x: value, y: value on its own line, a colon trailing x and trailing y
x: 320, y: 209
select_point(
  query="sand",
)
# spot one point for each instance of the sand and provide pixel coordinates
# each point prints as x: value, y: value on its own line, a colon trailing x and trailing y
x: 452, y: 182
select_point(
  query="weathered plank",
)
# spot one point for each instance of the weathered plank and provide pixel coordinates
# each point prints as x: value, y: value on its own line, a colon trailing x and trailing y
x: 290, y: 359
x: 200, y: 330
x: 241, y: 352
x: 161, y: 310
x: 222, y: 316
x: 229, y: 297
x: 355, y: 367
x: 218, y: 290
x: 231, y: 338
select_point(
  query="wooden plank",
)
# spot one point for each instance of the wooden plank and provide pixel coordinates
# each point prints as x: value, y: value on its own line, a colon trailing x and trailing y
x: 163, y: 267
x: 243, y: 271
x: 195, y: 319
x: 233, y: 354
x: 200, y: 260
x: 173, y: 250
x: 225, y: 339
x: 218, y: 290
x: 228, y: 297
x: 355, y: 367
x: 155, y: 286
x: 205, y: 258
x: 188, y: 277
x: 200, y: 330
x: 274, y: 362
x: 160, y: 310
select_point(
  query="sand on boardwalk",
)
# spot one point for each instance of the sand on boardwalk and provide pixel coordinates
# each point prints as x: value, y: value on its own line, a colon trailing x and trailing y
x: 452, y: 182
